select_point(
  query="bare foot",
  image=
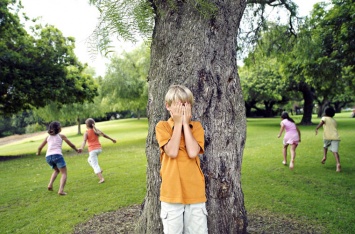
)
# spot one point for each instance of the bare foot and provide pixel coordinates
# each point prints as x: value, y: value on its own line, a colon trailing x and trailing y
x: 323, y: 160
x: 338, y: 168
x: 284, y: 163
x: 291, y: 165
x: 62, y: 193
x: 50, y: 189
x: 101, y: 181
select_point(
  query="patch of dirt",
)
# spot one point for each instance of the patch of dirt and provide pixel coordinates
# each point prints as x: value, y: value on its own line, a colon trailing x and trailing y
x: 124, y: 220
x: 120, y: 221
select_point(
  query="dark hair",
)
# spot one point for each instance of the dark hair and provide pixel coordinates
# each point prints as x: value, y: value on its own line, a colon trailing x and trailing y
x: 285, y: 115
x: 54, y: 128
x: 329, y: 111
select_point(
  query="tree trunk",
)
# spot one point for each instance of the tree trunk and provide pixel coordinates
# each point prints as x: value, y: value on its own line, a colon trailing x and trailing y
x: 200, y: 53
x: 268, y: 108
x: 308, y: 103
x: 138, y: 114
x: 321, y: 107
x: 248, y: 106
x: 79, y: 128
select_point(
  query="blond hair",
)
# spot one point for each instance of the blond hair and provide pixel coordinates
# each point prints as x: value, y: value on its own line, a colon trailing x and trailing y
x: 90, y: 123
x: 179, y: 93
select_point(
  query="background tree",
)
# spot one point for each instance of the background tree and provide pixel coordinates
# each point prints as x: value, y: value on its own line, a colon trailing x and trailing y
x: 262, y: 83
x: 39, y: 68
x: 315, y: 64
x: 260, y: 76
x: 75, y: 112
x: 124, y: 86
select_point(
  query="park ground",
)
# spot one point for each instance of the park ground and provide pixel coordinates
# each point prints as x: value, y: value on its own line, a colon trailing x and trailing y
x: 124, y: 220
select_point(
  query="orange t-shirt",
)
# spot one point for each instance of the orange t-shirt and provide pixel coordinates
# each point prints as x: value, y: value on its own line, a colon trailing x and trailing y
x: 182, y: 178
x: 93, y: 140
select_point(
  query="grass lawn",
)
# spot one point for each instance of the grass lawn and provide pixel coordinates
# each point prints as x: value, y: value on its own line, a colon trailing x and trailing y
x: 312, y: 192
x: 27, y: 207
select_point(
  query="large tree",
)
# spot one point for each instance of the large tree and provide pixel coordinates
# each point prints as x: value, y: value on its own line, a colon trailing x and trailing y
x: 37, y: 69
x: 194, y: 44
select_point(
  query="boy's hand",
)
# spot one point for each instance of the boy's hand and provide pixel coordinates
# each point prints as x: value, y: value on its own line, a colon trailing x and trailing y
x: 187, y: 114
x: 176, y: 112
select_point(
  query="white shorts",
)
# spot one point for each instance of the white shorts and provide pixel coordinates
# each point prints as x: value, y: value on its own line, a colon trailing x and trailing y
x: 188, y: 219
x: 332, y: 145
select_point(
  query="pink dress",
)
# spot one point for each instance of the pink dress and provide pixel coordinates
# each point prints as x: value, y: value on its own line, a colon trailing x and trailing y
x: 291, y: 135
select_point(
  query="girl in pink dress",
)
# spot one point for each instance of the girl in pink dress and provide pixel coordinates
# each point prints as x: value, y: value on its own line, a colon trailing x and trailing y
x: 292, y: 137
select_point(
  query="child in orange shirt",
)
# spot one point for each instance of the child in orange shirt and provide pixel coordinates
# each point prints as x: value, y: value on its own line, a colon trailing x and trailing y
x: 182, y: 191
x: 92, y: 137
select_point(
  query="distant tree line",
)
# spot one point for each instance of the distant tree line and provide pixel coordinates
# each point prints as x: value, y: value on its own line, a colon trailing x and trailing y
x: 313, y: 66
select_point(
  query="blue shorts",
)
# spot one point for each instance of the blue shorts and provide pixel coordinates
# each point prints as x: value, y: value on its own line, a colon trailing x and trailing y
x: 55, y: 161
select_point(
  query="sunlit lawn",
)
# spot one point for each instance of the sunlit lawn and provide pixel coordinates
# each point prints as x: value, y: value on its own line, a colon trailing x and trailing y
x: 312, y: 192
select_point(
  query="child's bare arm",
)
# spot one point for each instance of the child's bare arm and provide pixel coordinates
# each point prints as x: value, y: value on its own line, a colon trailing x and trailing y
x: 299, y: 133
x: 172, y: 147
x: 281, y: 130
x: 84, y: 141
x: 106, y: 136
x: 319, y: 125
x: 41, y: 146
x: 192, y: 147
x: 69, y: 143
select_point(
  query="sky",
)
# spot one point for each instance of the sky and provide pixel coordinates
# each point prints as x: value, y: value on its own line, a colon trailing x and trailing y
x: 76, y: 18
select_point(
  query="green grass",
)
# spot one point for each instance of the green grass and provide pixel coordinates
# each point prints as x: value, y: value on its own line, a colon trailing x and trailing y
x: 311, y: 193
x: 27, y: 207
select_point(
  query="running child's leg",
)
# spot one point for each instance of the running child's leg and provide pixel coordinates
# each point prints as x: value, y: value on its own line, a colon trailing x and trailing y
x: 293, y: 155
x: 337, y: 159
x: 284, y: 153
x: 325, y: 151
x: 52, y: 179
x: 94, y: 163
x: 63, y: 180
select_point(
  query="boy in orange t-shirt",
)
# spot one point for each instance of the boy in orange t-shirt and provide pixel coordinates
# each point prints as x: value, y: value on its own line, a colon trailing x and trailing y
x: 182, y: 191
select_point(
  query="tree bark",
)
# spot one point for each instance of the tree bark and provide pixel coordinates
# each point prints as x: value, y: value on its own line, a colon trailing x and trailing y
x: 78, y: 122
x: 200, y: 53
x: 308, y: 98
x: 268, y: 108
